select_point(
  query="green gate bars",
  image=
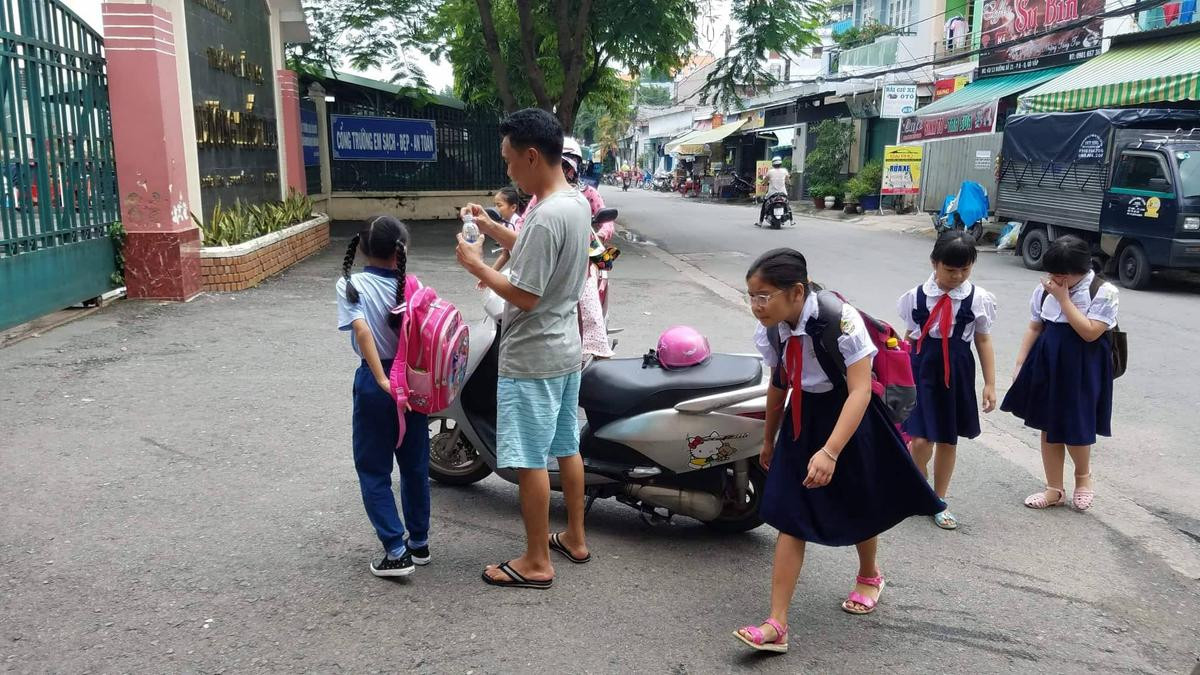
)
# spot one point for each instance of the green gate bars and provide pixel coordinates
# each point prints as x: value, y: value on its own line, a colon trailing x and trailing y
x: 58, y: 193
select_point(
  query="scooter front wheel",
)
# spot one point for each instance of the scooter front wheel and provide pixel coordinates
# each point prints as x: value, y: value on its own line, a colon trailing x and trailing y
x: 452, y: 458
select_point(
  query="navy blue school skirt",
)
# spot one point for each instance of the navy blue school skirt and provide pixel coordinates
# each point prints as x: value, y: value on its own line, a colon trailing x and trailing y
x: 874, y: 487
x: 942, y: 414
x: 1065, y: 386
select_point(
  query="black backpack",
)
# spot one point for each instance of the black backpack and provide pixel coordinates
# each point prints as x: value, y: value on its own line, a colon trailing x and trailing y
x: 1116, y: 337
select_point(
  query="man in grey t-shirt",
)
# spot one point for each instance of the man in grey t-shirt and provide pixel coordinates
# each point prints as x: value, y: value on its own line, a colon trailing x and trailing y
x: 537, y: 395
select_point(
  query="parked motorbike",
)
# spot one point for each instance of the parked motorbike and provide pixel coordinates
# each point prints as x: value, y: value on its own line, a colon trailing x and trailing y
x: 662, y: 182
x: 664, y: 442
x: 778, y: 211
x: 966, y: 210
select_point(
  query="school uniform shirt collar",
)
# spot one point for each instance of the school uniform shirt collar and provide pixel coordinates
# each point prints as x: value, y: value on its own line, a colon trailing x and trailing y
x: 1084, y: 284
x: 932, y: 290
x: 810, y: 310
x: 380, y: 271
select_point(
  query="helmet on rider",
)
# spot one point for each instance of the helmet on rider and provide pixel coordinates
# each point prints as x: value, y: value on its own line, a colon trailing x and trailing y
x: 572, y: 158
x: 682, y: 347
x: 777, y: 162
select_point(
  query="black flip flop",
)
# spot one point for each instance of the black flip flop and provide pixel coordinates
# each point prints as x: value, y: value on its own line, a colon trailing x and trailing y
x: 557, y: 545
x: 515, y: 580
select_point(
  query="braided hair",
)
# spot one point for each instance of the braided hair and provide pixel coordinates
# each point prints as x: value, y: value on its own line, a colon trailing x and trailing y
x: 382, y: 237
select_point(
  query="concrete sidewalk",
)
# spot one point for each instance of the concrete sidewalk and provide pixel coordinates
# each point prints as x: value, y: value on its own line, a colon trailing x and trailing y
x: 179, y: 496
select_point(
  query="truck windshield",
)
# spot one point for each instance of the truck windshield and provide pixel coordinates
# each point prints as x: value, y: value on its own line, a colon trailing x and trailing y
x: 1189, y: 173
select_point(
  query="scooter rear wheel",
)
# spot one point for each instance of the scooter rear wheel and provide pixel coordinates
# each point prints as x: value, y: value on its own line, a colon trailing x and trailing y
x: 741, y: 517
x: 458, y: 465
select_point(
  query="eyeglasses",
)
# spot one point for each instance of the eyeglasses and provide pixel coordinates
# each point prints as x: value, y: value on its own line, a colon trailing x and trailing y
x: 761, y: 299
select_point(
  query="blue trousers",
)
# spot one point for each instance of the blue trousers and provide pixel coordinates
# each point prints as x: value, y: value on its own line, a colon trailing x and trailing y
x: 376, y: 428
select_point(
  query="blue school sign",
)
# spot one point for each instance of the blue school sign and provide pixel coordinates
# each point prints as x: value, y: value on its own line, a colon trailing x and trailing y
x: 383, y: 139
x: 310, y: 137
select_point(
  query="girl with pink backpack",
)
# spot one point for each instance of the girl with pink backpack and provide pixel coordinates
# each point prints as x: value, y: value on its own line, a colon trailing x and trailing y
x: 371, y: 306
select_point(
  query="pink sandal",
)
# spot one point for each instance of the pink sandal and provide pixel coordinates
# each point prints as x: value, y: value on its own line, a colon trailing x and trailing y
x: 1082, y: 498
x: 861, y: 599
x: 758, y: 641
x: 1038, y: 500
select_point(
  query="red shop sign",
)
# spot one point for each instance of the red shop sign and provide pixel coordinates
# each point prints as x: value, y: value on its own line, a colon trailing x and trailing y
x: 962, y: 122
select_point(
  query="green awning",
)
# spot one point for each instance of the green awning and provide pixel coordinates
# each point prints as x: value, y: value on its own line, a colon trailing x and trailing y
x: 1157, y: 71
x: 991, y: 89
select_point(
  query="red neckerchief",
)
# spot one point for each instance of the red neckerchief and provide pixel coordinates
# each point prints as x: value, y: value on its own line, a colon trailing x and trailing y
x: 941, y: 310
x: 794, y: 364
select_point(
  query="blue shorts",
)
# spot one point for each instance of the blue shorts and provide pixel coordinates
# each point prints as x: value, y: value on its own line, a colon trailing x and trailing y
x: 536, y: 419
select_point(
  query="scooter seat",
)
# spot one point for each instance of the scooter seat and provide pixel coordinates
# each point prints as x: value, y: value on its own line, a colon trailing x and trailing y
x: 622, y: 387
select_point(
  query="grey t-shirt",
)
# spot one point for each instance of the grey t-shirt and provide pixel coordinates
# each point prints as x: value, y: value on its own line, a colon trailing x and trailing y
x: 549, y: 260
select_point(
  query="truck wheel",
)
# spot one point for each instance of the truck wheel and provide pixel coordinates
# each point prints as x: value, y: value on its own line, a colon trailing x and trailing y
x: 1134, y: 267
x: 1033, y: 248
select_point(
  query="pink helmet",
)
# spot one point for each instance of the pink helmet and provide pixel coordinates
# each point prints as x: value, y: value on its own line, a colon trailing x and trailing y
x: 682, y: 347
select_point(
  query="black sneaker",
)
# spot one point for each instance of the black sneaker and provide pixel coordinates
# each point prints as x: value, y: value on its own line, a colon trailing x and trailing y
x: 420, y: 555
x: 387, y: 567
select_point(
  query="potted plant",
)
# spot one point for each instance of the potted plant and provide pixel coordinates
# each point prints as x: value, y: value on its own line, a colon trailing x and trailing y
x: 826, y: 162
x: 865, y: 185
x: 818, y: 191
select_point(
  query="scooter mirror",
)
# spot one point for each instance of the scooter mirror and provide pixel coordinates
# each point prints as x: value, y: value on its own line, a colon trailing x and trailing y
x: 604, y: 216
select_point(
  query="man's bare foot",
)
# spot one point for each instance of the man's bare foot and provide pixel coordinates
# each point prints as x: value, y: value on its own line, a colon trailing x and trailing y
x: 522, y: 567
x: 577, y: 550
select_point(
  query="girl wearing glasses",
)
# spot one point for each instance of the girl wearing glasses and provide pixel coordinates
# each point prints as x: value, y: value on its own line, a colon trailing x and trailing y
x: 838, y: 474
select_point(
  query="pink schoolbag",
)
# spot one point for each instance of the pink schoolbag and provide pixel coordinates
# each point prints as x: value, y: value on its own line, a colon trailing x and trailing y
x: 431, y: 355
x: 891, y: 369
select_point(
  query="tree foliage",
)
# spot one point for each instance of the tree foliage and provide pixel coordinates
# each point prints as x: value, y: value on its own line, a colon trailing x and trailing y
x: 763, y: 26
x: 553, y: 54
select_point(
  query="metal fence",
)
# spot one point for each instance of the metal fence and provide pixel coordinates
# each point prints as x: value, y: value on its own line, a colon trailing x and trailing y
x: 468, y: 146
x: 58, y: 184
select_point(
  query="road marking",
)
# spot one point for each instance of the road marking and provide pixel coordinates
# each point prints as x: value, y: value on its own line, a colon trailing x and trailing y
x: 696, y: 275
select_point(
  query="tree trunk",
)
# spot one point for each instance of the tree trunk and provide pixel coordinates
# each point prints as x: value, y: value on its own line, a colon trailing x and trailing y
x: 570, y: 52
x: 537, y: 79
x: 499, y: 68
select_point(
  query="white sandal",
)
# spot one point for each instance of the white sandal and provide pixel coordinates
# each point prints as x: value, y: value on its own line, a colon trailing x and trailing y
x: 1083, y: 497
x: 1038, y: 500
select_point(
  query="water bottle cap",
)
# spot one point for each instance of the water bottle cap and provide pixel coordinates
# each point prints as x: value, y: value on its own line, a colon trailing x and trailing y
x: 892, y: 343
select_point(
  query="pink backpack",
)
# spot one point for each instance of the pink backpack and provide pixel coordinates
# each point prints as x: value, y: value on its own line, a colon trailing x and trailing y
x: 431, y: 356
x: 891, y: 370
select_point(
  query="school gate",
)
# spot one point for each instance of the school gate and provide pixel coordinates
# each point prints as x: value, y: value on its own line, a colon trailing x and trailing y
x: 58, y: 181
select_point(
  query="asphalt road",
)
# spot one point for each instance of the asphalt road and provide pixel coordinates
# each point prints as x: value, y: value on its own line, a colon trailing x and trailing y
x: 1153, y: 458
x: 178, y: 495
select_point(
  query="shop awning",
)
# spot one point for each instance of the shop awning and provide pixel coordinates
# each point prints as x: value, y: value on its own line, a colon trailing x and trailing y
x: 991, y: 89
x: 1167, y: 69
x: 674, y: 143
x: 695, y: 145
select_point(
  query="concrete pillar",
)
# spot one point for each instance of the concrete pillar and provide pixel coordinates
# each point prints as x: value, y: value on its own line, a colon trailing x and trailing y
x: 291, y: 150
x: 317, y: 93
x: 162, y: 252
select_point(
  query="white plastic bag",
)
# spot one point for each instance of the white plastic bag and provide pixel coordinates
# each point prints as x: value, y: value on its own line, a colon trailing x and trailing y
x: 1009, y: 236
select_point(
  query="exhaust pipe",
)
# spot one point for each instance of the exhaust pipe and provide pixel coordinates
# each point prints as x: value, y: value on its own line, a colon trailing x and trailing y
x: 699, y: 505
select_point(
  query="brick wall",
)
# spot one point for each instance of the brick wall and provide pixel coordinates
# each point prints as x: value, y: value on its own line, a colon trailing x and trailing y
x: 241, y: 270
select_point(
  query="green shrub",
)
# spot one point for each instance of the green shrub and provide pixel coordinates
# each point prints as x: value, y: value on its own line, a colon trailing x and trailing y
x: 243, y: 222
x: 866, y: 182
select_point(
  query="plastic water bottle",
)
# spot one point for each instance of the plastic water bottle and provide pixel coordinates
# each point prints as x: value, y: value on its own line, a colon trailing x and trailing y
x: 470, y: 230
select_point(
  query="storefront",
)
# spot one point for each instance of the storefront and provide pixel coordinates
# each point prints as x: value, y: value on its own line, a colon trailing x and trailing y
x: 962, y: 132
x: 1143, y: 69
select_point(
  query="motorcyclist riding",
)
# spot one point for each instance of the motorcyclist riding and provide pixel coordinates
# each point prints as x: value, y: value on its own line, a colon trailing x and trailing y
x: 777, y: 181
